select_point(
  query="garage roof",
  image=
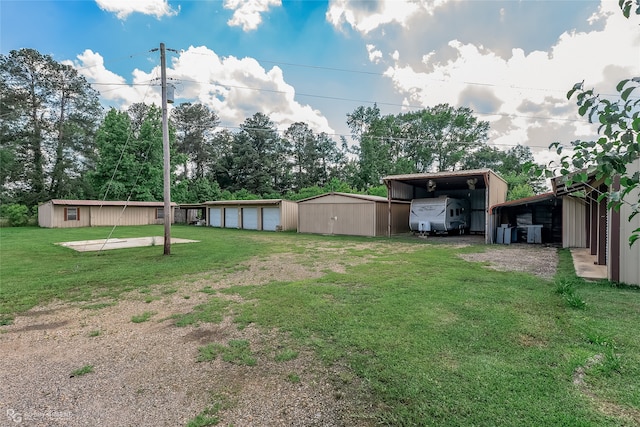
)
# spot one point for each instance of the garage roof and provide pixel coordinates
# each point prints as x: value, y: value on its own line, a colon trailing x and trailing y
x: 366, y: 197
x: 448, y: 180
x: 246, y: 202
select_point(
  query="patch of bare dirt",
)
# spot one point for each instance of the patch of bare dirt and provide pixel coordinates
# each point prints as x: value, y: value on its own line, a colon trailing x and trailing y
x: 535, y: 259
x: 147, y: 374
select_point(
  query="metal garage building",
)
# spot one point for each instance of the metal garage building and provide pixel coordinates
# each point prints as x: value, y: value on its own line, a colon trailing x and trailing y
x: 268, y: 215
x: 59, y: 213
x: 483, y: 188
x: 352, y: 214
x: 589, y: 223
x: 523, y: 217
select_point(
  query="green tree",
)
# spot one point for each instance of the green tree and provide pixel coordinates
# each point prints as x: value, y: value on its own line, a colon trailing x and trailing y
x: 49, y: 116
x: 448, y: 133
x: 195, y: 126
x: 619, y: 142
x: 254, y: 151
x: 128, y: 167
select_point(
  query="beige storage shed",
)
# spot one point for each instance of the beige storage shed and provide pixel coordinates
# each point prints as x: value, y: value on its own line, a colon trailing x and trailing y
x: 352, y: 214
x: 59, y: 213
x: 483, y: 188
x: 267, y: 215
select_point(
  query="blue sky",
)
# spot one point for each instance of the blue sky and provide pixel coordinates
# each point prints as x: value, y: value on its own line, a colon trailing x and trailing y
x: 512, y: 62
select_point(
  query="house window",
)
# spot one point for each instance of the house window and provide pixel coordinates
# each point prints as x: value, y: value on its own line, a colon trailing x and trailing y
x: 159, y: 213
x: 72, y: 214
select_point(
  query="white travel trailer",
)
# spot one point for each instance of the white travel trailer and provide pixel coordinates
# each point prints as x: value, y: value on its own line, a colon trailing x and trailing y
x: 439, y: 215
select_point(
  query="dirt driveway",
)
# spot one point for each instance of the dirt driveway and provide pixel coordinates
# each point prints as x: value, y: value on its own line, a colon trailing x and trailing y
x: 147, y: 374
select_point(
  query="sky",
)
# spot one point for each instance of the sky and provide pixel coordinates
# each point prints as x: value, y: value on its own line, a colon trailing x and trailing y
x: 511, y: 62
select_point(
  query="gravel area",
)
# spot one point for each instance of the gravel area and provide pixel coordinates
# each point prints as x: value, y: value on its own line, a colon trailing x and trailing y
x: 147, y: 374
x: 535, y: 259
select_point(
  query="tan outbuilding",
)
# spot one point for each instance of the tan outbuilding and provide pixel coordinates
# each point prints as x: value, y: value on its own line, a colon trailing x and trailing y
x: 589, y: 223
x: 59, y: 213
x: 267, y: 215
x: 352, y: 214
x: 482, y: 188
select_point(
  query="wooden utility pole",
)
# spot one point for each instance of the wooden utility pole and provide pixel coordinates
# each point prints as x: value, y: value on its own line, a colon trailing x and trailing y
x: 166, y: 154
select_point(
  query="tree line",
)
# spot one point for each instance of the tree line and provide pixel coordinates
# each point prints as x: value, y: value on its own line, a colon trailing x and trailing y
x: 56, y: 141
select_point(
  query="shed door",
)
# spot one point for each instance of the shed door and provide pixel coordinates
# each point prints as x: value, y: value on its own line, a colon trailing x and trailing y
x: 215, y: 217
x: 231, y: 218
x: 270, y: 218
x: 250, y: 218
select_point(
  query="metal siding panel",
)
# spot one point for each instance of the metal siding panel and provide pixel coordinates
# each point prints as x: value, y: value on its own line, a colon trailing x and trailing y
x: 573, y: 223
x: 629, y: 256
x: 231, y: 217
x: 215, y: 217
x: 354, y: 219
x: 400, y: 218
x: 250, y: 218
x: 381, y: 219
x: 289, y: 215
x: 270, y: 218
x: 401, y: 191
x: 314, y: 218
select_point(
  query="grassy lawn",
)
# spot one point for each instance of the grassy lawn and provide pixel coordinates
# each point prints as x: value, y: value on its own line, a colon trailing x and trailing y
x: 435, y: 339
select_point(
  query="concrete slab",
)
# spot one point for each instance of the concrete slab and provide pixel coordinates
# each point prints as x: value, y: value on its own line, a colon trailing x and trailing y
x: 585, y: 265
x: 117, y: 243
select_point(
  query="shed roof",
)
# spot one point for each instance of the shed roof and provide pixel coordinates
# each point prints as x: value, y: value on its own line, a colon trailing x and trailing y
x: 246, y: 202
x: 446, y: 180
x: 560, y: 187
x: 545, y: 197
x: 366, y: 197
x: 64, y: 202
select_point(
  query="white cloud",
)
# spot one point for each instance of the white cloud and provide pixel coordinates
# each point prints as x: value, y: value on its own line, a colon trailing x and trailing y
x: 527, y: 91
x: 114, y: 89
x: 366, y: 16
x: 124, y: 8
x: 248, y: 13
x: 234, y: 88
x: 375, y: 55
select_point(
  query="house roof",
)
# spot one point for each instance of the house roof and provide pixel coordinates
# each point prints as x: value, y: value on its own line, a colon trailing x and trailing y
x: 65, y: 202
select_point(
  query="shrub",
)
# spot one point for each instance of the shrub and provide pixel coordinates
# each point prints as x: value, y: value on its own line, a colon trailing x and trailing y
x: 17, y: 215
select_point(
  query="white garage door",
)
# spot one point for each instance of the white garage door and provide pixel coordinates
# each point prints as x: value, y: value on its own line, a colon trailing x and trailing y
x: 231, y: 218
x: 270, y: 218
x: 250, y: 218
x: 215, y: 217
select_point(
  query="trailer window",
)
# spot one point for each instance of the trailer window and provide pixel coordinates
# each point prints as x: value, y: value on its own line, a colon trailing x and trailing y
x: 450, y: 212
x: 159, y: 213
x: 457, y: 211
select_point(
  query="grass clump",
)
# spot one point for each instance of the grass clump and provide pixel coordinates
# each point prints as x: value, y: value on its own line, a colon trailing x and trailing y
x: 286, y: 355
x: 293, y: 378
x: 142, y: 317
x: 206, y: 418
x: 209, y: 312
x: 566, y: 287
x: 86, y: 369
x: 95, y: 333
x: 237, y: 352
